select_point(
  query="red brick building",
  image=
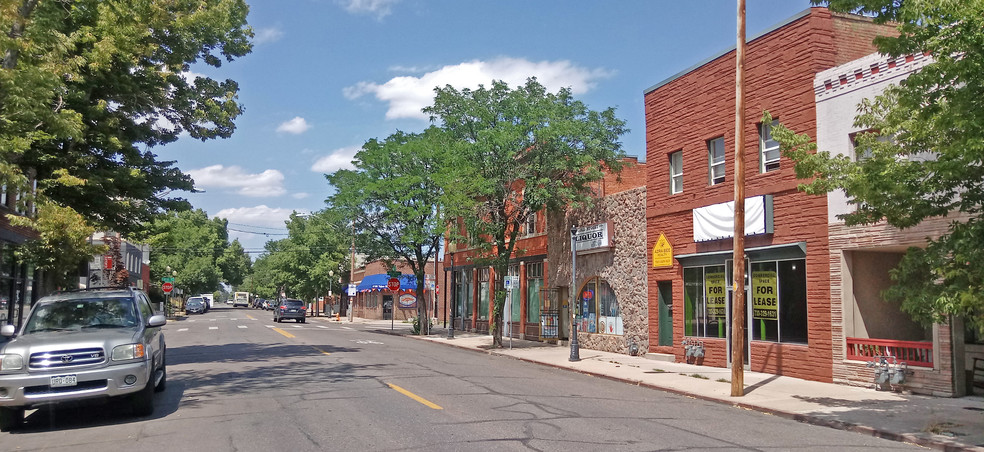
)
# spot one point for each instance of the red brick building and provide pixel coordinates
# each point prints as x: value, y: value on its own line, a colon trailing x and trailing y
x: 538, y: 268
x: 690, y: 184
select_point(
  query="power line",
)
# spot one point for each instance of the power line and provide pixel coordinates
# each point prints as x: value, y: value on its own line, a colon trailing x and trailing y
x: 257, y: 227
x: 268, y: 234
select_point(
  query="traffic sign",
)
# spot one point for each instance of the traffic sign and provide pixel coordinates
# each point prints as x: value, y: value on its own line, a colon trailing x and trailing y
x: 169, y: 279
x: 167, y: 287
x: 393, y: 284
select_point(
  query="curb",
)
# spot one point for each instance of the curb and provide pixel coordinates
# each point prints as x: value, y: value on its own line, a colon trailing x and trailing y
x: 948, y: 446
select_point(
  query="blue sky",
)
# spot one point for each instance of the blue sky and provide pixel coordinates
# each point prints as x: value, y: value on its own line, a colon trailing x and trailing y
x: 327, y: 75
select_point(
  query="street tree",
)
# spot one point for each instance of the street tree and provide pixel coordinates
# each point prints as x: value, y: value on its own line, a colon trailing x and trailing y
x: 62, y: 244
x: 527, y: 150
x: 394, y: 196
x: 89, y: 87
x: 195, y: 247
x: 926, y: 149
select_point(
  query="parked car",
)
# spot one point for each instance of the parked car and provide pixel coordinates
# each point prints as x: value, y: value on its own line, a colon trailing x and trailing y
x: 195, y: 305
x: 83, y: 345
x: 258, y: 303
x: 268, y: 305
x: 290, y: 309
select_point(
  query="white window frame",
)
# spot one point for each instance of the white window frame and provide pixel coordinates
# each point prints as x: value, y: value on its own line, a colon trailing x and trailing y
x: 529, y: 225
x: 716, y: 163
x: 676, y: 172
x: 767, y: 146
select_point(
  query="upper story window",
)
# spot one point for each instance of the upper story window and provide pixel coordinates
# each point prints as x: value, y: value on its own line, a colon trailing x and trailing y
x: 715, y: 160
x: 676, y: 172
x: 768, y: 148
x: 529, y: 225
x: 3, y: 195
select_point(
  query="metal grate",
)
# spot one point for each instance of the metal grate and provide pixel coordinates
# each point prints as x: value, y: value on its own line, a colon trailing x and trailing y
x: 67, y: 358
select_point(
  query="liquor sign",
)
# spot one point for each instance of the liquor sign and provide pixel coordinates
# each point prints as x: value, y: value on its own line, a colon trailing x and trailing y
x: 593, y: 239
x: 108, y: 262
x: 351, y: 290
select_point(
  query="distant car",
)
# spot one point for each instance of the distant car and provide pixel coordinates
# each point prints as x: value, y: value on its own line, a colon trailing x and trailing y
x: 290, y: 309
x: 229, y: 301
x: 195, y: 305
x: 83, y: 345
x: 268, y: 305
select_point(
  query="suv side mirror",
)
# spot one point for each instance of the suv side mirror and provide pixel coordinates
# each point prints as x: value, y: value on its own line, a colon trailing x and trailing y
x: 8, y: 330
x: 156, y: 321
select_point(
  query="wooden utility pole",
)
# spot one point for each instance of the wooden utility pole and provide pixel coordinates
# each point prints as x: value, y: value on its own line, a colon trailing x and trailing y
x: 738, y: 284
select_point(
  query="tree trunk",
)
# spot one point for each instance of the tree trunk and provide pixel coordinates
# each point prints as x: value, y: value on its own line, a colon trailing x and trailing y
x: 498, y: 302
x: 423, y: 318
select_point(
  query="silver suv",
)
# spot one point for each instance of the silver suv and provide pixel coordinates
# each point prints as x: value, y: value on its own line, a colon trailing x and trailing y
x: 81, y: 345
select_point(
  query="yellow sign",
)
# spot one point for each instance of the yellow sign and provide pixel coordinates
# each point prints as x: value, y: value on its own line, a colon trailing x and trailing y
x: 717, y: 295
x: 765, y: 295
x: 662, y: 252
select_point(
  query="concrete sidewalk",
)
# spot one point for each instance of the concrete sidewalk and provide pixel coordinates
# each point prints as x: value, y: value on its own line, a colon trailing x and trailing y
x: 939, y: 423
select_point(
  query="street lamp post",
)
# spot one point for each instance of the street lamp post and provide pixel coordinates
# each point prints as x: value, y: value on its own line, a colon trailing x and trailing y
x: 575, y: 352
x: 451, y: 249
x: 331, y: 275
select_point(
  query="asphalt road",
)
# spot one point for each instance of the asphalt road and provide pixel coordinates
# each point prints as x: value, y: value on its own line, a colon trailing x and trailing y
x: 237, y: 381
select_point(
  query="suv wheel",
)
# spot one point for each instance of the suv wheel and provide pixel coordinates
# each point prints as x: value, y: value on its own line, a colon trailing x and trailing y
x: 143, y: 401
x: 161, y: 385
x: 10, y: 418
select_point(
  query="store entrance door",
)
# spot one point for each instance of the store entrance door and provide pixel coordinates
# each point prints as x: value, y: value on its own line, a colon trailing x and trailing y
x: 665, y: 289
x: 387, y: 307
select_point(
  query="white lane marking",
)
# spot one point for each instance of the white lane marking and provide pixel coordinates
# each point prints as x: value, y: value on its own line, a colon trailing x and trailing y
x: 213, y: 327
x: 211, y: 320
x: 182, y: 329
x: 297, y: 326
x: 365, y: 341
x: 269, y: 326
x: 191, y: 320
x: 346, y: 327
x: 242, y: 326
x: 323, y: 327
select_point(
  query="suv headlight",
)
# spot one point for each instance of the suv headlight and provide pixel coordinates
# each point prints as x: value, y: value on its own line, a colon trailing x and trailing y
x: 11, y: 362
x: 128, y: 351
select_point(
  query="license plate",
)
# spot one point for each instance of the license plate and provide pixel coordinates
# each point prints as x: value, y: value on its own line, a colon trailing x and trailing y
x: 293, y: 310
x: 63, y: 381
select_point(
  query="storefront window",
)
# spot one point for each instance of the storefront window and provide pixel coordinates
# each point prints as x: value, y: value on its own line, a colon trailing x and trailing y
x: 534, y: 282
x: 777, y: 298
x: 705, y: 301
x: 467, y: 294
x: 483, y: 294
x: 514, y: 297
x: 600, y: 312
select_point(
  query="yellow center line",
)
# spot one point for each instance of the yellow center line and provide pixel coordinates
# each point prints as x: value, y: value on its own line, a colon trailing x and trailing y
x: 415, y: 396
x: 320, y: 350
x: 250, y: 317
x: 283, y: 332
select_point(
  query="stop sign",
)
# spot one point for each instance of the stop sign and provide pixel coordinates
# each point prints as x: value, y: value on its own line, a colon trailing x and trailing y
x: 167, y: 287
x: 393, y: 284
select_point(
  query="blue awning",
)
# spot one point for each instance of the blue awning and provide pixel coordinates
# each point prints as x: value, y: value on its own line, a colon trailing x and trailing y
x: 379, y: 280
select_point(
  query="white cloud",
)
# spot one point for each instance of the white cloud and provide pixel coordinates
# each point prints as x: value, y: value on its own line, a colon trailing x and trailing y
x: 295, y: 126
x: 408, y: 95
x: 378, y: 8
x: 269, y: 183
x: 338, y: 159
x: 300, y: 195
x: 261, y: 215
x: 265, y: 35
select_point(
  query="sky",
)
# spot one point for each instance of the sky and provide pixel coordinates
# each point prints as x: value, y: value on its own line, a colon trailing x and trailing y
x: 325, y: 76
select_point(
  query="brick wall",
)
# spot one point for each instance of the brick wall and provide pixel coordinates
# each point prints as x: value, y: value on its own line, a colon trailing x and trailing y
x: 686, y: 112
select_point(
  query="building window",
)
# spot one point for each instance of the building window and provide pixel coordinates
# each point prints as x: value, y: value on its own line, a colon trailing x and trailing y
x: 599, y: 308
x: 768, y: 147
x: 715, y: 159
x: 862, y: 152
x: 534, y: 282
x: 676, y: 172
x: 3, y: 195
x: 529, y: 225
x: 483, y: 294
x: 777, y: 298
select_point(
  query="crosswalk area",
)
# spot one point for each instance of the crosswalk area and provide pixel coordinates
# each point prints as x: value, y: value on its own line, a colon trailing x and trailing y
x: 235, y: 323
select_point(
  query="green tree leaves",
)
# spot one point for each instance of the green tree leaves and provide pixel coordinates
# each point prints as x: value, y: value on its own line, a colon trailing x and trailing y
x: 926, y: 157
